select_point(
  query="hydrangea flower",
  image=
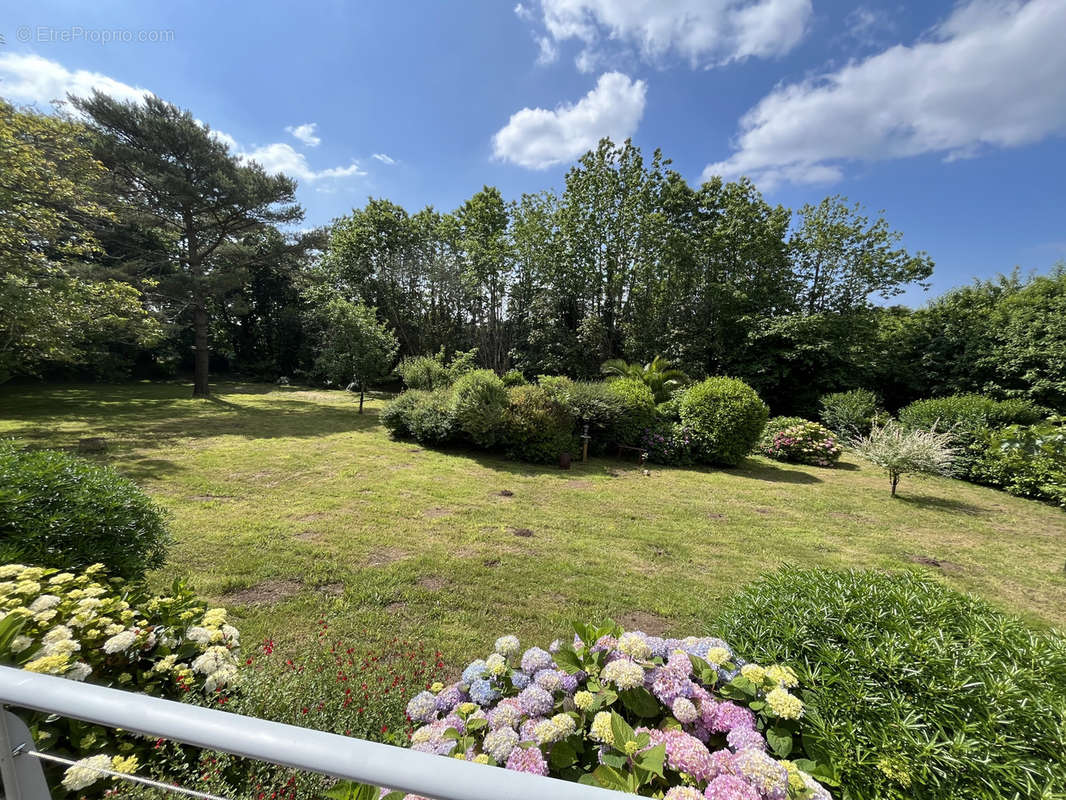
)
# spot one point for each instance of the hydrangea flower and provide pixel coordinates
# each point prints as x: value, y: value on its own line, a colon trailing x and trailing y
x: 684, y: 752
x: 552, y: 730
x: 422, y: 707
x: 668, y: 684
x: 684, y: 793
x: 768, y: 776
x: 684, y: 711
x: 476, y: 669
x: 600, y: 730
x: 507, y: 714
x: 730, y: 787
x: 635, y: 645
x: 500, y: 742
x: 483, y: 692
x: 536, y: 659
x: 530, y: 760
x: 729, y: 715
x: 783, y: 704
x: 449, y: 698
x: 624, y: 674
x: 742, y: 738
x: 550, y: 680
x: 507, y: 646
x: 535, y: 702
x: 520, y: 680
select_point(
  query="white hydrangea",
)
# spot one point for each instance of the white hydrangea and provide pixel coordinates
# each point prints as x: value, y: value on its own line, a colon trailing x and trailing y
x: 220, y: 678
x: 212, y: 660
x: 198, y: 634
x: 85, y: 772
x: 120, y: 642
x: 44, y: 602
x: 79, y: 672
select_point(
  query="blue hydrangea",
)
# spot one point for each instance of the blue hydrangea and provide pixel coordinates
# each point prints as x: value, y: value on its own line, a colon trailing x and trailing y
x: 422, y: 707
x: 475, y: 670
x: 658, y: 647
x: 483, y: 692
x: 535, y: 659
x: 520, y: 679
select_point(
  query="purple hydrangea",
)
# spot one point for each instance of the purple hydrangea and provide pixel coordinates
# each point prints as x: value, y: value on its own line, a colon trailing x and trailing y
x: 528, y: 731
x: 741, y: 738
x: 535, y: 702
x: 729, y: 716
x: 422, y: 707
x: 684, y: 752
x: 483, y: 692
x: 730, y: 787
x: 530, y: 760
x: 569, y: 683
x: 520, y: 680
x: 668, y: 684
x: 550, y: 680
x: 536, y: 659
x: 658, y: 646
x: 449, y: 698
x: 768, y: 776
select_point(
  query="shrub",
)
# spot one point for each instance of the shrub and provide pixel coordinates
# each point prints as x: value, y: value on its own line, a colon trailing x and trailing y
x: 726, y: 416
x: 851, y: 414
x: 431, y: 372
x: 479, y: 404
x: 900, y: 451
x: 669, y: 443
x: 969, y: 419
x: 396, y: 415
x: 538, y: 428
x: 58, y: 510
x: 632, y: 411
x: 913, y: 690
x: 1027, y: 461
x: 775, y: 425
x: 803, y: 442
x: 514, y: 377
x: 626, y: 711
x: 431, y: 419
x: 84, y: 627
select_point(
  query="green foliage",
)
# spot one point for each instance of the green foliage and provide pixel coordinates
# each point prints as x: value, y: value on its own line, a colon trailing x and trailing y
x: 850, y: 414
x: 514, y: 377
x: 431, y: 419
x: 355, y: 347
x: 435, y: 372
x: 396, y: 415
x: 57, y: 510
x: 633, y: 411
x: 479, y: 404
x: 800, y: 441
x: 539, y: 427
x: 726, y: 417
x: 900, y: 451
x: 658, y: 374
x: 968, y: 419
x: 1026, y: 460
x: 913, y: 691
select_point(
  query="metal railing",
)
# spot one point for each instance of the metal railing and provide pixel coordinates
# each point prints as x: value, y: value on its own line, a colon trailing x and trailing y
x: 274, y: 742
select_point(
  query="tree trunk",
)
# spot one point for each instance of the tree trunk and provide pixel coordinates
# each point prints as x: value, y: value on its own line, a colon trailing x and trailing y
x: 202, y: 353
x: 362, y: 392
x: 895, y: 482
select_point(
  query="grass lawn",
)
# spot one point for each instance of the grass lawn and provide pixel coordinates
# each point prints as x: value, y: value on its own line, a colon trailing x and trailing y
x: 288, y: 507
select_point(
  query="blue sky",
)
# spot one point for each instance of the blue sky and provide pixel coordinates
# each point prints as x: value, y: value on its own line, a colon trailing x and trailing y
x: 950, y: 116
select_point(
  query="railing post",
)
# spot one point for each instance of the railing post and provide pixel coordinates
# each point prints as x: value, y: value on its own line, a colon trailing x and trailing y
x: 22, y: 773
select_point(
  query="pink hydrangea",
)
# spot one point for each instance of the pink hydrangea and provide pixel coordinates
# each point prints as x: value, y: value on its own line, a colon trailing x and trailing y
x: 730, y: 787
x: 530, y: 760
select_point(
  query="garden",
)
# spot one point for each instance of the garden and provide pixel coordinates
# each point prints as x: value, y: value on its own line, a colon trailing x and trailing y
x: 642, y: 485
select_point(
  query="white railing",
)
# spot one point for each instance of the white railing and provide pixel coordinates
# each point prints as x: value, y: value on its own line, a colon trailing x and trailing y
x: 286, y: 745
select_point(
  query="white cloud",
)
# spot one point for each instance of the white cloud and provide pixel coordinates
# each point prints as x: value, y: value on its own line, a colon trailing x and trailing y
x: 384, y: 159
x: 305, y: 133
x: 702, y: 32
x: 990, y: 76
x: 547, y: 52
x: 537, y: 138
x: 29, y: 78
x: 282, y: 157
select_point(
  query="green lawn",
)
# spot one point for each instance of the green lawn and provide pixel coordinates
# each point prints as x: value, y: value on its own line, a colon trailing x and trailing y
x: 289, y: 507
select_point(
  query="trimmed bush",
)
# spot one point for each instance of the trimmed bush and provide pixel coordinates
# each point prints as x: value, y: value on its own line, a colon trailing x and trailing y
x: 851, y: 414
x: 802, y: 442
x: 633, y: 411
x: 58, y: 510
x: 396, y: 415
x: 968, y: 418
x: 1027, y: 461
x: 913, y: 690
x: 479, y: 405
x: 726, y: 417
x: 538, y: 427
x: 432, y: 420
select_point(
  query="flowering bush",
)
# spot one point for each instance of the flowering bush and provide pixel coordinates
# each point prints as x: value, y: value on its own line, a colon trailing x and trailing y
x: 86, y: 627
x: 669, y: 443
x: 680, y: 718
x: 801, y: 443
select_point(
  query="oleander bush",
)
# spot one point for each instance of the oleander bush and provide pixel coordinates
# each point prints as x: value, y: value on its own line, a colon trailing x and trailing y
x: 802, y: 442
x: 851, y: 414
x: 479, y: 406
x: 969, y: 419
x: 82, y: 626
x: 725, y: 416
x: 912, y: 690
x: 58, y: 510
x: 623, y: 710
x: 1026, y: 461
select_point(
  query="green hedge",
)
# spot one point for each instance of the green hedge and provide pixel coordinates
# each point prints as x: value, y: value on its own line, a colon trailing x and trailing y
x: 479, y: 405
x: 58, y: 510
x: 727, y: 418
x: 912, y: 689
x: 538, y: 427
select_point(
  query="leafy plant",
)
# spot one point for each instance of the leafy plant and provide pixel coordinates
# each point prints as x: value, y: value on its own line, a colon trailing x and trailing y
x: 355, y: 347
x: 900, y: 451
x: 1027, y: 460
x: 58, y: 510
x: 538, y: 427
x: 912, y: 690
x: 801, y: 442
x: 659, y: 375
x: 726, y: 416
x: 435, y: 371
x: 851, y: 414
x: 479, y: 404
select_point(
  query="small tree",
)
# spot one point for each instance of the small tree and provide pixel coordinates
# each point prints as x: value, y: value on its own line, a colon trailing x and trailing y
x: 899, y: 451
x: 355, y: 346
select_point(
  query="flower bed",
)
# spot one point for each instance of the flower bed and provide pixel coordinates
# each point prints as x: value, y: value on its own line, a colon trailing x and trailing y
x: 680, y: 718
x: 801, y: 442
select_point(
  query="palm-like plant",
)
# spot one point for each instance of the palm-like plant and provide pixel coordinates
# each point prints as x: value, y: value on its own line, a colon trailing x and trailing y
x: 659, y: 374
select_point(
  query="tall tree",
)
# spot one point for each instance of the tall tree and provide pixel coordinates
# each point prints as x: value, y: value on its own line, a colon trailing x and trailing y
x: 486, y: 264
x: 53, y: 306
x: 170, y: 170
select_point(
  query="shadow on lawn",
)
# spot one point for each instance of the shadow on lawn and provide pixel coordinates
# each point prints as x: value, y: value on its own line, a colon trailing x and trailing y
x: 941, y: 504
x: 762, y: 471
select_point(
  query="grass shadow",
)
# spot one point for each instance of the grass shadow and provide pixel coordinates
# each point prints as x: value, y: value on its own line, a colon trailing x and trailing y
x: 925, y: 501
x: 763, y: 471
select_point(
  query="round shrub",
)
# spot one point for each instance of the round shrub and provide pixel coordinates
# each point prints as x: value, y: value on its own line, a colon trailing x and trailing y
x: 537, y: 427
x: 514, y: 377
x: 801, y: 442
x: 396, y: 415
x: 58, y: 510
x: 850, y: 414
x: 914, y: 690
x: 673, y: 718
x: 968, y: 418
x: 479, y: 404
x: 727, y: 418
x: 633, y: 411
x: 431, y: 418
x: 81, y: 626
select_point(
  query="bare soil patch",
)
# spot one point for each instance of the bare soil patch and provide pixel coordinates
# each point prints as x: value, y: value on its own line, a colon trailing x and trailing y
x: 651, y: 624
x: 266, y: 593
x: 432, y: 582
x: 505, y: 493
x: 578, y: 484
x: 525, y: 533
x: 928, y: 561
x: 383, y: 556
x: 207, y: 498
x: 335, y: 589
x: 396, y: 608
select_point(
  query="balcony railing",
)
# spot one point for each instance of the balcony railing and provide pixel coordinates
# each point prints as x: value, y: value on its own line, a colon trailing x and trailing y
x: 286, y: 745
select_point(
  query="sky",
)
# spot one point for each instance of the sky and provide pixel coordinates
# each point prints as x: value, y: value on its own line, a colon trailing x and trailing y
x: 950, y: 117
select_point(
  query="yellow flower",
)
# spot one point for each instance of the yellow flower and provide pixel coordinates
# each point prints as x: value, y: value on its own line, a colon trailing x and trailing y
x: 481, y: 758
x: 27, y: 587
x: 61, y: 578
x: 49, y: 665
x: 466, y: 708
x: 753, y: 672
x: 584, y: 700
x: 601, y: 728
x: 783, y: 704
x: 718, y: 655
x: 214, y: 617
x: 783, y: 675
x: 126, y: 765
x: 437, y: 687
x: 631, y: 748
